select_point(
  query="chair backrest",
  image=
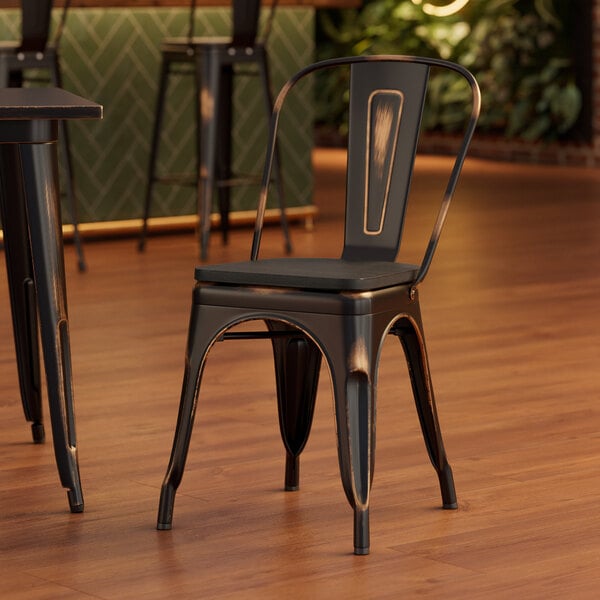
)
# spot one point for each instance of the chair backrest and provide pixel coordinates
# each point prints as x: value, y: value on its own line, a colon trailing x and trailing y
x: 386, y: 104
x: 387, y: 95
x: 35, y: 24
x: 245, y: 19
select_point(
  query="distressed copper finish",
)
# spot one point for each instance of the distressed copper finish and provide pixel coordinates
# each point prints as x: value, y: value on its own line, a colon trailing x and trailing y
x: 383, y: 125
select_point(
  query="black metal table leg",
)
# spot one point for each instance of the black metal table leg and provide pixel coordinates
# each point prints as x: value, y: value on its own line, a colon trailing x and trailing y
x: 30, y: 201
x: 42, y: 200
x: 21, y: 284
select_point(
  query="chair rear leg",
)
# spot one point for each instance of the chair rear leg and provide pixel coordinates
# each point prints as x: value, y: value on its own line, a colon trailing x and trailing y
x: 297, y: 367
x: 413, y: 343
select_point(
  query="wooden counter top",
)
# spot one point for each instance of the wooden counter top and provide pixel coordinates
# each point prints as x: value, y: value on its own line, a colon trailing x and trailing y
x: 167, y: 3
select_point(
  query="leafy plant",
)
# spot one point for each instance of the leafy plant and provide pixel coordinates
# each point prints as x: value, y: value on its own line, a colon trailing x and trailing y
x: 517, y: 49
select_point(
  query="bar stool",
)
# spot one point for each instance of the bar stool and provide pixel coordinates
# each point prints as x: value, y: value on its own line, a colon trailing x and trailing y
x: 34, y: 53
x: 212, y: 61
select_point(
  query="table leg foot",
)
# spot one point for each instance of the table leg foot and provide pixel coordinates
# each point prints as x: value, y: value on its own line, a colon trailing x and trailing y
x: 75, y: 500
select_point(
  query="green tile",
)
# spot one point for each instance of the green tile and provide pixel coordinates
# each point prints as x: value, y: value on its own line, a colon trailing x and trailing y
x: 112, y: 56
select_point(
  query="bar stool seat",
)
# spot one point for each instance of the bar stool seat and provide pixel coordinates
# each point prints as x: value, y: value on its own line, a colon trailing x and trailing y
x: 212, y: 61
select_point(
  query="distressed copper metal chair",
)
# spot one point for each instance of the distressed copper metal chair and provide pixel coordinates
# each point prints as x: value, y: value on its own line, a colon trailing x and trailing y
x: 24, y: 61
x: 343, y: 308
x: 214, y: 63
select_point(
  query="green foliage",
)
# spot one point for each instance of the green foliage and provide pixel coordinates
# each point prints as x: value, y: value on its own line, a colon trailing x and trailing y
x: 517, y: 49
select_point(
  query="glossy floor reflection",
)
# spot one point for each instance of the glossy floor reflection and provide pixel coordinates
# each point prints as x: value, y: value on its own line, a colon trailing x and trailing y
x: 512, y: 318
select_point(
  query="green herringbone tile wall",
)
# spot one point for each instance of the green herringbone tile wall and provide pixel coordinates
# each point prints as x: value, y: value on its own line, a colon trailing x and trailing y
x: 112, y: 56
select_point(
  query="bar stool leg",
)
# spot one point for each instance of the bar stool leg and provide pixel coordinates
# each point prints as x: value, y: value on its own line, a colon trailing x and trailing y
x: 278, y: 171
x: 210, y: 98
x: 198, y: 113
x: 223, y: 166
x: 70, y: 180
x: 40, y: 177
x: 158, y: 121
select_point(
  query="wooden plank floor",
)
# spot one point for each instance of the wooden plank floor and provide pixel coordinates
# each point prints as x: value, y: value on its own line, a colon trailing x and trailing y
x: 512, y: 317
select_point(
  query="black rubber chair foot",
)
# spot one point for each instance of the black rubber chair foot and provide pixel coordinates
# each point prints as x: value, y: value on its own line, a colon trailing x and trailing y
x: 75, y: 501
x: 291, y: 488
x: 450, y: 506
x: 82, y: 266
x: 361, y: 551
x: 165, y: 507
x: 38, y: 433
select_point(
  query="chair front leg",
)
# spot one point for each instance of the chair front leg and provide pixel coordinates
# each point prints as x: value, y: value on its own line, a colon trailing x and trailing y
x: 198, y: 346
x: 352, y: 353
x: 356, y: 433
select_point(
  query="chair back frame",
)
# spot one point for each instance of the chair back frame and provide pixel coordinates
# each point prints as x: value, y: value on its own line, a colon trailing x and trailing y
x: 385, y: 115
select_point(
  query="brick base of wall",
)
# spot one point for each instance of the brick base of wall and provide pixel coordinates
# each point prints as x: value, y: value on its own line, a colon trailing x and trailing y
x: 572, y: 154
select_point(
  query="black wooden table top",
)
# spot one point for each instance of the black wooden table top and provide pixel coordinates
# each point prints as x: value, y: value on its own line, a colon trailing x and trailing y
x: 45, y: 103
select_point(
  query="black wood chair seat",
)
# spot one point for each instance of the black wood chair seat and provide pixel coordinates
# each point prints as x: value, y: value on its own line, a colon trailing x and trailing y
x: 310, y: 274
